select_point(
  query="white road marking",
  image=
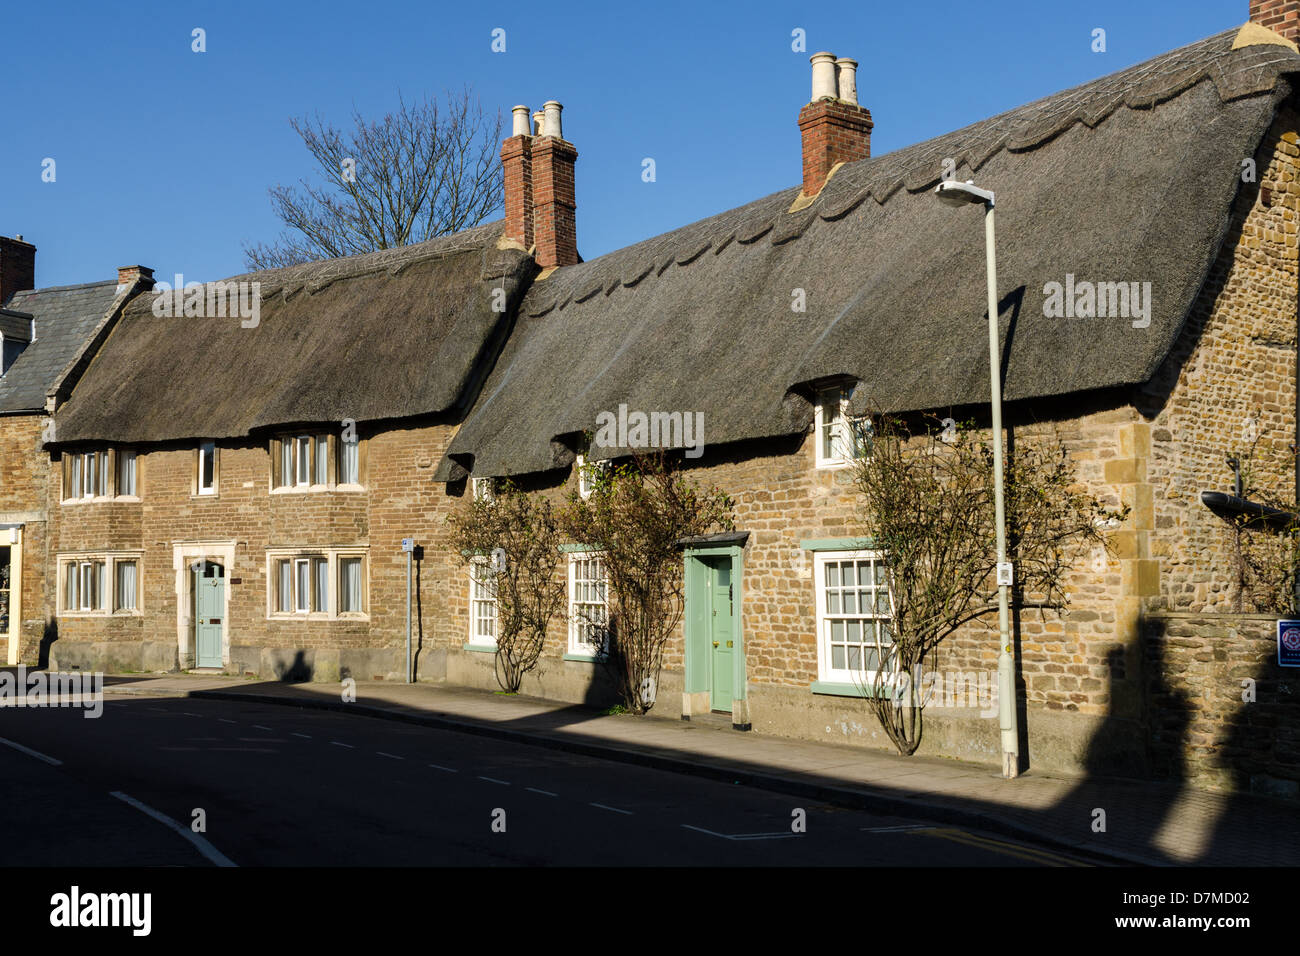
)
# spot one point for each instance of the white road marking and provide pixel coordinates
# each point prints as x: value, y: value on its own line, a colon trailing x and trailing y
x: 32, y: 753
x: 338, y: 744
x: 260, y: 727
x: 304, y: 736
x: 436, y: 766
x: 504, y: 783
x: 225, y: 720
x: 615, y: 809
x: 545, y: 793
x: 189, y: 714
x: 389, y: 756
x: 209, y: 851
x: 741, y: 836
x: 898, y: 829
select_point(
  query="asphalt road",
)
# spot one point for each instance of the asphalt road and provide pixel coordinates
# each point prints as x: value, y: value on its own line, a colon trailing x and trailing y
x: 282, y: 786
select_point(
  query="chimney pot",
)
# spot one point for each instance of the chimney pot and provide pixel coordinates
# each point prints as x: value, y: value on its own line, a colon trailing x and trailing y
x: 519, y: 121
x: 846, y: 76
x: 823, y: 76
x: 537, y: 123
x: 551, y: 119
x: 834, y: 128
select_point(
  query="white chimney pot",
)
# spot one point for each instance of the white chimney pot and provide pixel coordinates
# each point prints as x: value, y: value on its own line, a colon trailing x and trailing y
x: 519, y: 124
x: 846, y: 71
x: 551, y: 119
x: 823, y: 76
x: 537, y: 123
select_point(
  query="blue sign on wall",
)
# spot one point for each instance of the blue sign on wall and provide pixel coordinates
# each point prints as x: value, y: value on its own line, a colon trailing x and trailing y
x: 1288, y: 643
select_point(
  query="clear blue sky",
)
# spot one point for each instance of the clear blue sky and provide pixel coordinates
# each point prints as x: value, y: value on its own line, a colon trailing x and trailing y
x: 164, y: 156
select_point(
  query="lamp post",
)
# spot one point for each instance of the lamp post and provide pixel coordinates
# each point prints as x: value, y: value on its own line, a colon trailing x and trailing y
x: 956, y: 193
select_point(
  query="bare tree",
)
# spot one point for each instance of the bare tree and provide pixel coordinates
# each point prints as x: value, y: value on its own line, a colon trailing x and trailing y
x: 928, y: 505
x: 512, y: 544
x: 423, y: 171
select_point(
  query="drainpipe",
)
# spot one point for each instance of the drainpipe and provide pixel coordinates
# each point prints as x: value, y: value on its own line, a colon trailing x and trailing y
x: 1295, y: 583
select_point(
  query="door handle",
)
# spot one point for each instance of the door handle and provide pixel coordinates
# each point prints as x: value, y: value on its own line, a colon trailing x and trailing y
x: 728, y: 643
x: 715, y: 643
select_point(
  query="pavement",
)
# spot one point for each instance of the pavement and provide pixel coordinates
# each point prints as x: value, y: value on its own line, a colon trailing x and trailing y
x: 1104, y: 819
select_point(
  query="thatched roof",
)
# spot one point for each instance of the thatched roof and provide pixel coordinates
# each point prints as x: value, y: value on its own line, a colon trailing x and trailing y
x: 384, y: 335
x: 1128, y: 178
x: 65, y: 318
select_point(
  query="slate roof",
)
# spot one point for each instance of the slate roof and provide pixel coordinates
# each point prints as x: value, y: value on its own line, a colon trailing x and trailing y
x: 389, y: 334
x: 65, y: 318
x: 1127, y: 178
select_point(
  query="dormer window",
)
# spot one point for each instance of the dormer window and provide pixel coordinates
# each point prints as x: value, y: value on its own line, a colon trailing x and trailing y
x: 588, y: 474
x: 840, y: 438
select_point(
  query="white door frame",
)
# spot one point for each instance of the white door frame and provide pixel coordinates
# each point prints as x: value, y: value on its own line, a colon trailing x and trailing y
x: 185, y: 553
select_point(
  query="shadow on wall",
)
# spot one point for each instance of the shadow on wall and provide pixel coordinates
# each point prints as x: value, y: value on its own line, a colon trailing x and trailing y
x: 299, y: 672
x: 417, y: 610
x: 48, y: 637
x: 602, y: 691
x: 1263, y: 741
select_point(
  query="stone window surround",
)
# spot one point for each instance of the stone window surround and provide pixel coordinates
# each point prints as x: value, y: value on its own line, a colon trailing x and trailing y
x: 332, y: 554
x: 110, y: 560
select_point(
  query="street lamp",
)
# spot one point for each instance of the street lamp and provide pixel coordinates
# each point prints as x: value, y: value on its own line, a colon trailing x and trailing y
x: 955, y: 193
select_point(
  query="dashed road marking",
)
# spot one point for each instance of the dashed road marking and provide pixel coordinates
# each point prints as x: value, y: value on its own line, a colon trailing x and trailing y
x: 437, y: 766
x: 32, y: 753
x: 304, y: 736
x: 614, y: 809
x: 504, y: 783
x: 337, y: 743
x: 741, y: 836
x: 897, y: 829
x: 190, y: 714
x: 260, y: 727
x: 225, y: 720
x: 545, y: 793
x: 389, y: 756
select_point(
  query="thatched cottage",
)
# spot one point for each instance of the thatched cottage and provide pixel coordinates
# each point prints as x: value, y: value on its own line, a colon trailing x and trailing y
x: 278, y: 468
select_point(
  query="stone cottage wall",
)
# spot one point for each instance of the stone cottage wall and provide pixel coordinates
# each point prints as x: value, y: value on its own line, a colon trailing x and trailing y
x: 23, y: 466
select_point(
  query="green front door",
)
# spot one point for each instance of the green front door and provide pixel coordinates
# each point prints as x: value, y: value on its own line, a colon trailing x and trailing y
x: 721, y: 635
x: 209, y: 604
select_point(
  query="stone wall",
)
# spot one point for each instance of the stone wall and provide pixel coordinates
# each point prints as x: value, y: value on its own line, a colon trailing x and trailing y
x: 23, y: 466
x: 1219, y: 711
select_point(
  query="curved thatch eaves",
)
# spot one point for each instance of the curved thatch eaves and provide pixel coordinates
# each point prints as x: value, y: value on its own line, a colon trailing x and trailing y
x: 1130, y: 178
x: 384, y: 335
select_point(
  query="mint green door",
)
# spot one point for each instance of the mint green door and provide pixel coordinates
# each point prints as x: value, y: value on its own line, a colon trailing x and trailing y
x: 721, y: 634
x: 209, y: 605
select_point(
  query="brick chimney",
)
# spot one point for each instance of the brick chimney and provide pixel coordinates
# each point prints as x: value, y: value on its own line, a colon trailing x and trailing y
x: 17, y: 267
x: 1280, y: 16
x: 834, y: 127
x: 554, y: 224
x: 129, y: 274
x: 517, y: 163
